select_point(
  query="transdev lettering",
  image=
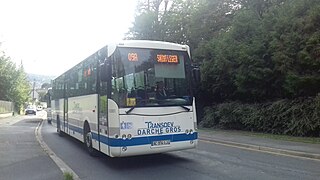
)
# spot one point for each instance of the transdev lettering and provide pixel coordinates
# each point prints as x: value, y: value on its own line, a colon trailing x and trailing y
x: 159, y: 125
x: 158, y: 128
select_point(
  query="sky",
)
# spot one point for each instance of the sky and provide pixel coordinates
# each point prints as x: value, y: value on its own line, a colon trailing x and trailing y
x: 51, y: 36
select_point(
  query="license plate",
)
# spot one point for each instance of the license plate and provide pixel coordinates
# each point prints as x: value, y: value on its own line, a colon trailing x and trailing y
x: 160, y: 143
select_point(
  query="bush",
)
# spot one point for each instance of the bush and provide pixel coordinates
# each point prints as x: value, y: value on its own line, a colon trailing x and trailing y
x: 298, y: 117
x: 67, y: 176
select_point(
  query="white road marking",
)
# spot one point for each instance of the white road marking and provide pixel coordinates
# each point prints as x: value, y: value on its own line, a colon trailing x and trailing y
x: 59, y: 162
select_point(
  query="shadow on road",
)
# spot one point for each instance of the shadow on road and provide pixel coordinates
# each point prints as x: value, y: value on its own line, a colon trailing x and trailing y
x: 27, y: 120
x: 135, y: 162
x: 142, y: 162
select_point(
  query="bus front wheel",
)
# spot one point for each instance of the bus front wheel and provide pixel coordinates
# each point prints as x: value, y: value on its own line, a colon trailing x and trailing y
x: 88, y: 140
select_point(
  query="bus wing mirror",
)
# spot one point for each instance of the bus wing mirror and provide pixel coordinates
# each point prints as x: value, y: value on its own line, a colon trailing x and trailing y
x: 196, y: 75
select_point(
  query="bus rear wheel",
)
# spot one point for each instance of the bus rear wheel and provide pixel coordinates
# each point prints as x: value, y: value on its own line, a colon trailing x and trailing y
x: 60, y: 132
x: 59, y: 127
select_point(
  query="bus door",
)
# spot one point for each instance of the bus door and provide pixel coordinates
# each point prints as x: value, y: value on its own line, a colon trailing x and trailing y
x: 65, y: 116
x: 103, y: 125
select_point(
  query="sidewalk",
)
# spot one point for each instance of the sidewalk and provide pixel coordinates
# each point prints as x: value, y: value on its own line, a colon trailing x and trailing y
x: 14, y: 119
x: 10, y: 120
x: 5, y: 115
x: 238, y: 139
x: 20, y: 152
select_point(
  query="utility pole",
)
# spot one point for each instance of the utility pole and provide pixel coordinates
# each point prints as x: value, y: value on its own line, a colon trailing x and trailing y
x: 34, y: 84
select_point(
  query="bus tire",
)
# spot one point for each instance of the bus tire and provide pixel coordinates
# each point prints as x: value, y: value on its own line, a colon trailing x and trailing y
x: 87, y: 139
x: 60, y: 132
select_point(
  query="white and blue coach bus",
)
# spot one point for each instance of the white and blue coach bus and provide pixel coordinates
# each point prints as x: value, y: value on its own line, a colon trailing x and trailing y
x: 130, y: 98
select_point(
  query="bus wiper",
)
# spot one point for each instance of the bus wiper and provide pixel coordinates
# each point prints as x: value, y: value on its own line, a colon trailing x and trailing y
x: 187, y: 109
x: 127, y: 112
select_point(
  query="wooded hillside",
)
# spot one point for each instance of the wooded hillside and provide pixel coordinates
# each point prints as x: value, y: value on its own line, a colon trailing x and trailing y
x: 258, y: 53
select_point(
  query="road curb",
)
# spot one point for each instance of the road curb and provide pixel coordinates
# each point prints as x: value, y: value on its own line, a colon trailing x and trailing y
x: 62, y: 165
x: 263, y: 148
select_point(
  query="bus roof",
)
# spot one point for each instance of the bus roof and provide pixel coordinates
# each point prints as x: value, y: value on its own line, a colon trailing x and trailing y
x: 148, y: 44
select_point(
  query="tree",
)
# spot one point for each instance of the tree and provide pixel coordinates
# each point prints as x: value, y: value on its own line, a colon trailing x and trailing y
x: 181, y: 21
x: 45, y: 85
x: 266, y: 55
x: 249, y: 50
x: 295, y: 47
x: 147, y: 20
x: 6, y: 76
x: 21, y: 88
x: 14, y: 85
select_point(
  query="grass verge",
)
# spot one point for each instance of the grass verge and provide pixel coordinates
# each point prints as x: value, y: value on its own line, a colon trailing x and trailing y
x: 310, y: 140
x: 67, y: 176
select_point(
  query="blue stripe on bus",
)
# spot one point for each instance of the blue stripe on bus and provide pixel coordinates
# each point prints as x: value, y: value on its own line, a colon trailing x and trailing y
x: 138, y: 140
x: 76, y: 129
x: 145, y: 140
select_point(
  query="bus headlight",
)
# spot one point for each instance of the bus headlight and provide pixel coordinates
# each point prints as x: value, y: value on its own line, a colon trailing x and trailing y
x: 116, y: 136
x: 129, y: 136
x: 191, y: 131
x: 187, y: 131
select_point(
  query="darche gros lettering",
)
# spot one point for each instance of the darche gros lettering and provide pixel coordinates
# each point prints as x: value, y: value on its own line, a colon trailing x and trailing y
x: 159, y: 128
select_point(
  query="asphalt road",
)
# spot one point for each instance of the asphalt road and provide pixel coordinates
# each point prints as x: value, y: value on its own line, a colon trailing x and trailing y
x: 208, y: 161
x: 21, y: 157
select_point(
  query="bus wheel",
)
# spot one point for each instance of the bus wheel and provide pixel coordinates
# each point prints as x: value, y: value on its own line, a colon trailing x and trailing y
x: 59, y: 127
x: 88, y: 140
x: 59, y: 132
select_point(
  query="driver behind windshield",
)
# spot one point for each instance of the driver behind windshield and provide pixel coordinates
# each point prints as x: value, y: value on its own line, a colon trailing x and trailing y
x: 160, y: 91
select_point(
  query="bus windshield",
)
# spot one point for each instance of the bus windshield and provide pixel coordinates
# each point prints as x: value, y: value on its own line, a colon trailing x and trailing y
x: 150, y: 77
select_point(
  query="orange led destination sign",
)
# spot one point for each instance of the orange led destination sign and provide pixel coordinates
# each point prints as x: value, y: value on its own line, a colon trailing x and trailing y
x: 132, y: 56
x: 164, y: 58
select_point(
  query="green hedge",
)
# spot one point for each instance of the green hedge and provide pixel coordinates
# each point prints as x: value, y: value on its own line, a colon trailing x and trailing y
x: 298, y: 117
